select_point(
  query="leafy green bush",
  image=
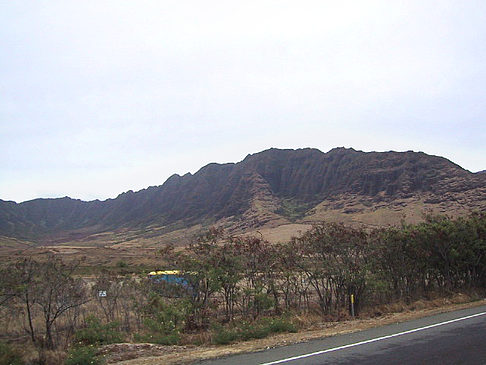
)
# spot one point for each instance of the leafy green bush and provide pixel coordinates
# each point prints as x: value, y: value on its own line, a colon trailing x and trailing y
x: 251, y: 330
x: 9, y: 355
x: 248, y: 331
x: 98, y: 334
x: 163, y: 321
x: 83, y: 355
x: 121, y: 264
x: 280, y: 325
x: 223, y: 336
x: 262, y: 302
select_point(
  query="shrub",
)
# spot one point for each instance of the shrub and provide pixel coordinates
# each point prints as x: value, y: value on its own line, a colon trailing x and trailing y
x: 279, y: 325
x: 223, y: 336
x: 98, y: 334
x: 83, y: 355
x: 121, y: 264
x: 250, y: 330
x: 262, y: 302
x: 9, y: 355
x: 163, y: 321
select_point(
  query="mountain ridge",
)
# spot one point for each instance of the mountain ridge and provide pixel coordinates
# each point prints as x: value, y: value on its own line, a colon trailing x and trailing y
x: 275, y: 185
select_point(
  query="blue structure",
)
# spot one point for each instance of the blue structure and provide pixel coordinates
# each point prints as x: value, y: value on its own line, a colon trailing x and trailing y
x: 174, y: 278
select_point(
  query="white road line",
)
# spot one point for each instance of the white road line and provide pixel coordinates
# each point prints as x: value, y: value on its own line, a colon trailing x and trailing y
x: 373, y: 340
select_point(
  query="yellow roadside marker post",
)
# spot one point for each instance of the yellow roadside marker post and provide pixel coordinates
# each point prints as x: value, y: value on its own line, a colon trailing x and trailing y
x: 352, y: 305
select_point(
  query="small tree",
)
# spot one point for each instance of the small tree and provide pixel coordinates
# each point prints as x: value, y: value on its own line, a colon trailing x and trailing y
x: 47, y: 287
x: 57, y: 292
x: 334, y: 259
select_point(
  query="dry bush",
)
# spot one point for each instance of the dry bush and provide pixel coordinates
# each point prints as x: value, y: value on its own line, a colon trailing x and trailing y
x: 51, y: 357
x: 197, y: 338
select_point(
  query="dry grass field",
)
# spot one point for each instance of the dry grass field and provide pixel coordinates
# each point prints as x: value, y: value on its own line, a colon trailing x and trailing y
x: 139, y: 248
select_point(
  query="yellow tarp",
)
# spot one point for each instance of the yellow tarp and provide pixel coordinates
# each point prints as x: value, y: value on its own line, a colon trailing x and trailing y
x: 165, y: 272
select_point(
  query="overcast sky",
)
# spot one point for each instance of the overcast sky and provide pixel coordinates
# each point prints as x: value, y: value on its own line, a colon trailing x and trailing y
x: 101, y: 97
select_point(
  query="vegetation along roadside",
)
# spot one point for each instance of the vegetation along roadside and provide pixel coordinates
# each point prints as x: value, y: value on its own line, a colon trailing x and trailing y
x: 234, y: 289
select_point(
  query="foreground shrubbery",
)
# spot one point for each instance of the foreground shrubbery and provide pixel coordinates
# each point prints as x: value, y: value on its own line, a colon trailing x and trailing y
x: 84, y: 355
x: 9, y: 355
x: 96, y: 333
x: 163, y: 321
x: 236, y: 288
x: 244, y: 330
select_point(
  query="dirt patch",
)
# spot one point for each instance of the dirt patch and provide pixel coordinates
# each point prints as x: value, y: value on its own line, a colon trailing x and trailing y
x: 281, y: 233
x: 115, y: 353
x: 177, y: 355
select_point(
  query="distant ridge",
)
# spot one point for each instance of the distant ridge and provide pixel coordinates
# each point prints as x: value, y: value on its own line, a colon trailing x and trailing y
x: 275, y: 186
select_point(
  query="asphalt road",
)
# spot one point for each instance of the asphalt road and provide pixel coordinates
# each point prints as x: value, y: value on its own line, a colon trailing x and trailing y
x: 449, y: 338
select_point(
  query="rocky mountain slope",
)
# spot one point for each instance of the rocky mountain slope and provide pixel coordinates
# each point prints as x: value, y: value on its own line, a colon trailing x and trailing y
x: 267, y: 189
